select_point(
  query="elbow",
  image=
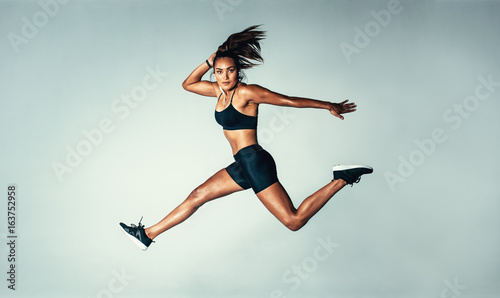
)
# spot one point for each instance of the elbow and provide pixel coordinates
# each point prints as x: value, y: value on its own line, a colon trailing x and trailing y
x: 290, y: 102
x: 187, y: 87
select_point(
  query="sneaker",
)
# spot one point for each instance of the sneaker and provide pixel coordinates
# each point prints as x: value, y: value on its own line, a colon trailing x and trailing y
x: 351, y: 173
x: 137, y: 234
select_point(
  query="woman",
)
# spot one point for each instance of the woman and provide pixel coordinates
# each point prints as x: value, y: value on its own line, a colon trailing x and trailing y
x: 236, y: 111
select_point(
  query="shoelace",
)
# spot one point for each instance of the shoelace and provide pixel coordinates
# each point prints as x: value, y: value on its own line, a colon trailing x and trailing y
x: 139, y: 225
x: 359, y: 178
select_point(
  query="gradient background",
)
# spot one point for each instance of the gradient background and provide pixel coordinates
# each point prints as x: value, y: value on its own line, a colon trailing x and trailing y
x: 433, y: 233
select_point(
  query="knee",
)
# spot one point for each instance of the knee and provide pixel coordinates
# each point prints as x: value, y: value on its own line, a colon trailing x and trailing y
x: 294, y: 223
x: 197, y: 197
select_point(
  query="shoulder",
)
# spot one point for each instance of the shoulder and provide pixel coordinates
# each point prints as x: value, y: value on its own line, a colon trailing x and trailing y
x: 250, y: 87
x: 257, y: 94
x: 251, y: 90
x: 247, y: 92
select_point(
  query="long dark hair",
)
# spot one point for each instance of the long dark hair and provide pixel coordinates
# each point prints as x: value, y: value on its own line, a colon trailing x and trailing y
x: 243, y: 47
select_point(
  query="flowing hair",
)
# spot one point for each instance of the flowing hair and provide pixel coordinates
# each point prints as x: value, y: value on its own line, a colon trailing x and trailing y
x: 243, y: 47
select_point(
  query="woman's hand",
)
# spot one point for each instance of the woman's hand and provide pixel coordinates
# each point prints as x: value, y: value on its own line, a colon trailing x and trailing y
x: 193, y: 82
x: 341, y: 108
x: 211, y: 59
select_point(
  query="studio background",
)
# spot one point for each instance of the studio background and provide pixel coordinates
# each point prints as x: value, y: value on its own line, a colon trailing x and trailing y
x: 96, y: 129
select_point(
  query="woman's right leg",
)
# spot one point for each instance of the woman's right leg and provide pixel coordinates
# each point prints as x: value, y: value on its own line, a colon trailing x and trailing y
x: 217, y: 186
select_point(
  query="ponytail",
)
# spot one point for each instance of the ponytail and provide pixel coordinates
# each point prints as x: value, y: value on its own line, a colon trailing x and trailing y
x: 243, y: 47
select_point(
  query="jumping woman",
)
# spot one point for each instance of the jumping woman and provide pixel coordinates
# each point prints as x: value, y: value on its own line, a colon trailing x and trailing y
x: 236, y: 111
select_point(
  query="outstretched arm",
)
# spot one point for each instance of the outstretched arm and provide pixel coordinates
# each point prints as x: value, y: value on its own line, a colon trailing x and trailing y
x: 258, y: 95
x: 193, y: 82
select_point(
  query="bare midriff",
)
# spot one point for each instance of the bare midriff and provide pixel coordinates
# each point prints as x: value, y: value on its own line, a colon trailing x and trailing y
x: 239, y: 139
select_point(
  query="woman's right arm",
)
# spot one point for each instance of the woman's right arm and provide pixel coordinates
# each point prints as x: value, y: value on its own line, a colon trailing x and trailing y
x: 193, y: 82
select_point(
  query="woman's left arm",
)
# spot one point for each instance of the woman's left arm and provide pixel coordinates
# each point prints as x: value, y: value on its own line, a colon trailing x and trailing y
x: 258, y: 95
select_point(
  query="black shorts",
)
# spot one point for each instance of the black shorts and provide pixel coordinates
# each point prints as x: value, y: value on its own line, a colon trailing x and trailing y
x: 253, y: 168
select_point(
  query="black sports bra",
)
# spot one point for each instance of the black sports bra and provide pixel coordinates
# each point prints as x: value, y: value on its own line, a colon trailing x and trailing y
x: 232, y: 119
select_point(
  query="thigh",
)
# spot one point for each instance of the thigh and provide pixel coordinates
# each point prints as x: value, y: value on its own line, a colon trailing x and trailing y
x: 238, y: 175
x: 278, y: 202
x: 217, y: 186
x: 259, y: 169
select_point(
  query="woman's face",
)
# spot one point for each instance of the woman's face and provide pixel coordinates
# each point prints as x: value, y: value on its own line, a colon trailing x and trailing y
x: 226, y: 73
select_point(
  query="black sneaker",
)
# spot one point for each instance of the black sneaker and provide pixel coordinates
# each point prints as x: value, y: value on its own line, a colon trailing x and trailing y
x: 351, y: 173
x: 137, y: 234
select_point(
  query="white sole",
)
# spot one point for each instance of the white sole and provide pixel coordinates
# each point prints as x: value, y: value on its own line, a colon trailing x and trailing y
x: 135, y: 240
x: 349, y: 167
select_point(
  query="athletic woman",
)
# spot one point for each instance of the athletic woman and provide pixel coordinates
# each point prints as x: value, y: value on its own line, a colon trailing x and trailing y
x: 236, y: 111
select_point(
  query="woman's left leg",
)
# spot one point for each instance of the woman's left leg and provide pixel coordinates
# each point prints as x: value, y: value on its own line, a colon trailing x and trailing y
x: 277, y: 201
x: 219, y: 185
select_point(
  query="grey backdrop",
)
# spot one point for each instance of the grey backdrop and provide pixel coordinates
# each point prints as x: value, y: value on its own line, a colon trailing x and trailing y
x: 96, y: 129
